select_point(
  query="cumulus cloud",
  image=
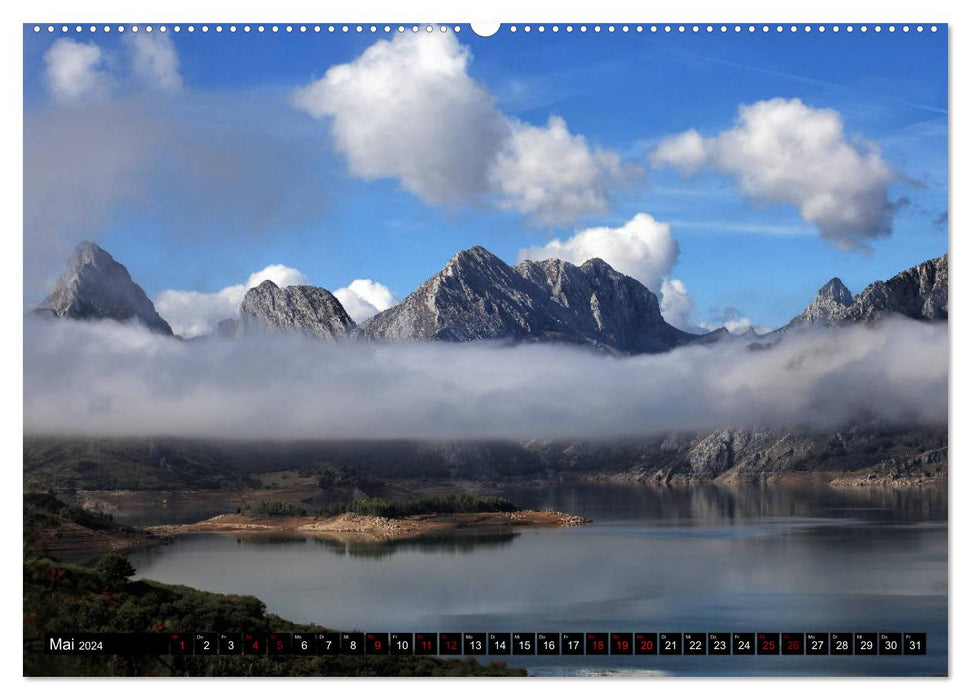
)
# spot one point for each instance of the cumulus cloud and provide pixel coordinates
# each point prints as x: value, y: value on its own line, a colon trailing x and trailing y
x: 280, y: 275
x: 75, y: 70
x: 105, y: 378
x: 677, y: 306
x: 407, y: 108
x: 154, y: 61
x: 643, y: 248
x: 784, y: 151
x: 685, y: 152
x: 191, y: 313
x: 362, y: 299
x: 553, y: 176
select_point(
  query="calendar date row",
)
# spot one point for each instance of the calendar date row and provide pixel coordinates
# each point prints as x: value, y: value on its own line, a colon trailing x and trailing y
x: 497, y: 643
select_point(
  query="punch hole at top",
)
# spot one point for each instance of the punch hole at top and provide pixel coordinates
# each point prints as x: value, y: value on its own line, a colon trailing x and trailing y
x: 485, y: 29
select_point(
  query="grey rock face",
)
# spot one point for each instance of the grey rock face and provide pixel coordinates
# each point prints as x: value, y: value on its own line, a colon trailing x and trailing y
x: 713, y: 455
x: 597, y: 304
x: 478, y: 297
x: 312, y: 311
x: 828, y: 307
x: 717, y: 453
x: 919, y: 293
x: 96, y: 286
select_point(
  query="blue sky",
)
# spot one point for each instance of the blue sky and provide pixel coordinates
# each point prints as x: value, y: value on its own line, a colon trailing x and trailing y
x: 235, y: 176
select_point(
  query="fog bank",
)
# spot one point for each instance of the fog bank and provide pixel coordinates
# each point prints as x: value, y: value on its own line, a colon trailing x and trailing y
x: 109, y: 379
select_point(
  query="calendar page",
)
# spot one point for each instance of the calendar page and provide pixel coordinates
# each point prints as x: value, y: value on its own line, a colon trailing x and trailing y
x: 543, y: 349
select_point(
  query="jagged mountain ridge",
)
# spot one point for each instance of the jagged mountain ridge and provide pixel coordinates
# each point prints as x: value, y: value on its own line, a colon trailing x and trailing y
x: 96, y: 286
x: 920, y: 292
x: 463, y: 302
x: 599, y: 302
x: 477, y: 296
x: 312, y: 311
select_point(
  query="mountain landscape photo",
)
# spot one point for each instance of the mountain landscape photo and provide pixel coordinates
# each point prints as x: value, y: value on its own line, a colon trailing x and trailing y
x: 412, y: 331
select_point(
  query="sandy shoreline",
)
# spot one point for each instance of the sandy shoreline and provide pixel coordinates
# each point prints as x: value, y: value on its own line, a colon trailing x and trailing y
x: 371, y: 527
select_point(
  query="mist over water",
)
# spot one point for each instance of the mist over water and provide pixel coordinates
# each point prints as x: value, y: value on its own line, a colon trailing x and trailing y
x: 109, y: 379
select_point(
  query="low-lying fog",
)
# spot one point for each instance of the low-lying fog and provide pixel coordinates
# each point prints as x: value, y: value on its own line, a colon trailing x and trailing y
x: 111, y: 379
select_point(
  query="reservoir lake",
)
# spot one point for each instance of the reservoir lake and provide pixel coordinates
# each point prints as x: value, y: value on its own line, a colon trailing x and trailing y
x: 675, y: 559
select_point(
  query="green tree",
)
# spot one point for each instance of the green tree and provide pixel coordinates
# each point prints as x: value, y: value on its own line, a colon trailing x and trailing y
x: 115, y: 568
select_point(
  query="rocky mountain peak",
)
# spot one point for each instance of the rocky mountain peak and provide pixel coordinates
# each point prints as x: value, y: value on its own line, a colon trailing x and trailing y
x: 87, y: 252
x: 477, y: 296
x: 827, y: 307
x: 598, y: 266
x: 96, y: 286
x: 266, y: 286
x: 476, y: 255
x: 300, y: 309
x: 477, y: 263
x: 835, y: 291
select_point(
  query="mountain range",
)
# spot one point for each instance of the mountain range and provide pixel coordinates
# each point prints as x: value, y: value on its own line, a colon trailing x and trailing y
x: 477, y: 296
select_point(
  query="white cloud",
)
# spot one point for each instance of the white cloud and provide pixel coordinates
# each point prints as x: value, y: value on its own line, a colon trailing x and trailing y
x: 784, y: 151
x: 677, y: 306
x: 363, y: 298
x: 154, y: 61
x: 643, y: 248
x: 280, y: 275
x: 407, y: 108
x: 553, y: 176
x: 193, y: 313
x: 197, y: 313
x: 75, y: 70
x: 685, y: 152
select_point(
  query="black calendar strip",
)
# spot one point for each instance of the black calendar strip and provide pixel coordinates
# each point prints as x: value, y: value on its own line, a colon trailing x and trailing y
x: 495, y: 644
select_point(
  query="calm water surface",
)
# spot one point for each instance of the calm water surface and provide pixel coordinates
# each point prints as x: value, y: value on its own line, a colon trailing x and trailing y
x: 706, y: 559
